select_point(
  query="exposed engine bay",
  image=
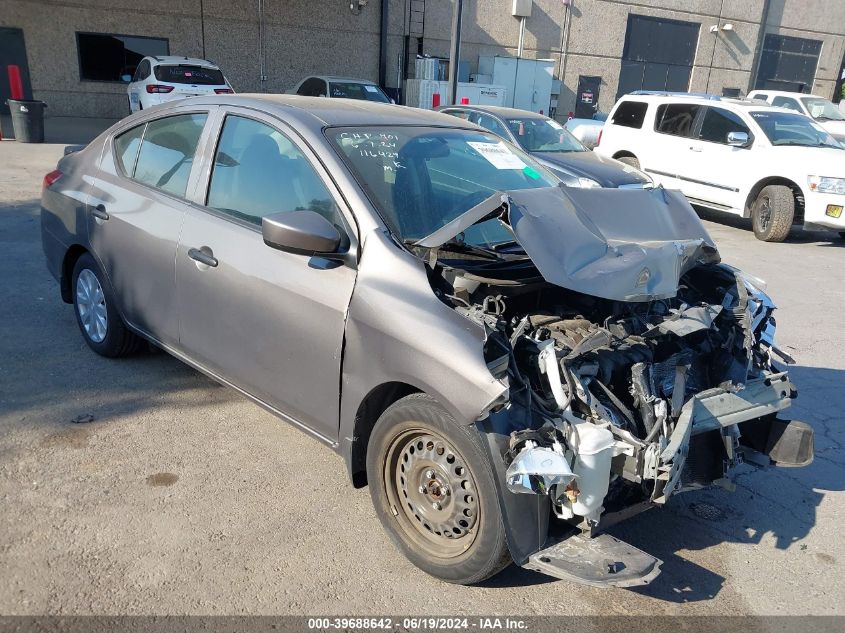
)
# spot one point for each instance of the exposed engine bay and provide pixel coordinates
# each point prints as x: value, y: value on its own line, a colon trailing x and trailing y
x: 619, y: 404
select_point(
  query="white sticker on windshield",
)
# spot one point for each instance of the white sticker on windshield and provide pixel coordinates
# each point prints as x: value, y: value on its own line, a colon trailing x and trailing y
x: 498, y: 155
x: 370, y: 88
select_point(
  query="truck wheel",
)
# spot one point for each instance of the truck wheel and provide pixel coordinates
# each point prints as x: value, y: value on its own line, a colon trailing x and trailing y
x: 433, y: 491
x: 630, y: 160
x: 772, y: 213
x: 98, y: 319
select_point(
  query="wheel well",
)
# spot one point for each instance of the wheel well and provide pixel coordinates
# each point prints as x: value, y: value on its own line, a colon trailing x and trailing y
x: 623, y: 154
x: 73, y: 254
x: 776, y: 180
x: 369, y: 411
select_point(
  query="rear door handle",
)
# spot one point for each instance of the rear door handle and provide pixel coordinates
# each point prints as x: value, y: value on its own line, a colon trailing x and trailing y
x: 100, y: 213
x: 203, y: 257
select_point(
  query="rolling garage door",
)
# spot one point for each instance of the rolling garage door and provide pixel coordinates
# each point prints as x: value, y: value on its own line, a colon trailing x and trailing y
x: 658, y: 54
x: 788, y: 63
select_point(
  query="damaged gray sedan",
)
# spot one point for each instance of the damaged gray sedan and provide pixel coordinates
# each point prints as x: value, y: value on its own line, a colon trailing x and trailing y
x: 510, y: 365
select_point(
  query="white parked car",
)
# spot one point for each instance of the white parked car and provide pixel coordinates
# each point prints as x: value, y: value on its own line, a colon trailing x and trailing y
x: 737, y: 155
x: 169, y: 78
x: 340, y: 88
x: 823, y: 111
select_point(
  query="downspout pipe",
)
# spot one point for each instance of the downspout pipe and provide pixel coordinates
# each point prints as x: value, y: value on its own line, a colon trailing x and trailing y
x: 382, y: 46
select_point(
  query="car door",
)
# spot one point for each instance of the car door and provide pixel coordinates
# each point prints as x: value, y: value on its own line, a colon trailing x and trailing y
x: 269, y: 322
x: 137, y: 85
x: 137, y: 204
x: 668, y: 154
x: 717, y: 167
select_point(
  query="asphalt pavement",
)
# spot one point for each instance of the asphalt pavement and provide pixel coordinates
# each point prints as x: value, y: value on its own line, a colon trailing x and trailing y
x: 181, y: 497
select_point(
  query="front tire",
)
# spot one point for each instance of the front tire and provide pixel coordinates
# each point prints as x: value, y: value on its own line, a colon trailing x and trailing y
x: 96, y: 314
x: 630, y: 160
x: 772, y: 213
x: 433, y: 491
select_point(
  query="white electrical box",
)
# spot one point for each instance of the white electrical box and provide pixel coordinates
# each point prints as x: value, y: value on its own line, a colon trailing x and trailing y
x: 529, y: 81
x: 522, y: 8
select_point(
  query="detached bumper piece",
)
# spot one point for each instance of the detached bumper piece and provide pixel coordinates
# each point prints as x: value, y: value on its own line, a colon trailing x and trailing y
x: 601, y: 561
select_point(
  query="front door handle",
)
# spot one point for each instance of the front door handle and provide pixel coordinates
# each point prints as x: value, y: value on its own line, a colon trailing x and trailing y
x: 203, y: 256
x: 100, y: 212
x: 695, y: 149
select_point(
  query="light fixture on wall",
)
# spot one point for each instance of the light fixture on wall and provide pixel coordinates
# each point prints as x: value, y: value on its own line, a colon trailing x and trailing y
x: 356, y: 5
x: 721, y: 27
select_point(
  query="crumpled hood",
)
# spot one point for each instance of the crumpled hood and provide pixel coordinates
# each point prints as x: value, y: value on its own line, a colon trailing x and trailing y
x: 624, y: 245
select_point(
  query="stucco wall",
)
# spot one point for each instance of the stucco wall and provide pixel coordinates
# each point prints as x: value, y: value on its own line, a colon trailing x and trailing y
x: 325, y: 37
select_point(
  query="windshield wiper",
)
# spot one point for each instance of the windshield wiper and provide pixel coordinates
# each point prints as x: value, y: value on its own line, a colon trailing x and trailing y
x: 457, y: 246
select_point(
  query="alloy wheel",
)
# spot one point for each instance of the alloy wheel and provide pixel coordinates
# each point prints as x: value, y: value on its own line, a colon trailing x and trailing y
x: 91, y: 306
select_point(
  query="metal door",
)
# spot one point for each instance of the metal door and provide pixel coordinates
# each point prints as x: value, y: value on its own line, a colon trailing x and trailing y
x: 587, y: 97
x: 12, y: 51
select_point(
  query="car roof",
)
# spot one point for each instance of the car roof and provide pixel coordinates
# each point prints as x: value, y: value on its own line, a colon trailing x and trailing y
x: 177, y: 59
x: 336, y: 78
x: 498, y: 111
x: 700, y: 99
x: 318, y: 112
x: 786, y: 93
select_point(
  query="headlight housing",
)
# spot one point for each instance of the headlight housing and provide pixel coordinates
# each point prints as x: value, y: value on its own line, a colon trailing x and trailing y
x: 826, y: 184
x: 589, y: 183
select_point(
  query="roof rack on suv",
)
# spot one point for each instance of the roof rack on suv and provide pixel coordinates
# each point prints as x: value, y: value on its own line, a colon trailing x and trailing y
x: 666, y: 93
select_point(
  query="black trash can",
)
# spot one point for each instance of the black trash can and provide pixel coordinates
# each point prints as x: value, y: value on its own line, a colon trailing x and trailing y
x: 27, y: 120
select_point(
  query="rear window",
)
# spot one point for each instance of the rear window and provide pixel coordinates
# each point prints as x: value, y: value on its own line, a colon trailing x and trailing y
x: 676, y: 119
x: 195, y: 75
x: 630, y: 114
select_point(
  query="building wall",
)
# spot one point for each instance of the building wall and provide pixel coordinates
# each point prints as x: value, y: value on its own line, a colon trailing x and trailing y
x: 301, y: 37
x: 596, y: 39
x: 324, y: 37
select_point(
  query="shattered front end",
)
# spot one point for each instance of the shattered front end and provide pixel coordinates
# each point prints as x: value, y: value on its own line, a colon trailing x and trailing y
x: 619, y: 401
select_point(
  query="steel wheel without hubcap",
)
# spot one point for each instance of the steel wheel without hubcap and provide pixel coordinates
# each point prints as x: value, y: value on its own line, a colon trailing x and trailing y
x: 429, y: 480
x: 91, y: 304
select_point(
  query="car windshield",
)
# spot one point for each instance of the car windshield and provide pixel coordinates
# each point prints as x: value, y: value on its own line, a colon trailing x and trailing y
x: 185, y: 74
x: 544, y: 135
x: 783, y: 128
x: 421, y: 178
x: 353, y: 90
x: 822, y: 109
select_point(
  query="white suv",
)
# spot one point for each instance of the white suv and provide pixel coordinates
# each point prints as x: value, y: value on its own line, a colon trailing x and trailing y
x: 741, y: 156
x: 169, y: 78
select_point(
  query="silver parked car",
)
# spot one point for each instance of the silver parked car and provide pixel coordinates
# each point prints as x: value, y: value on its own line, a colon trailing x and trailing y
x: 493, y: 353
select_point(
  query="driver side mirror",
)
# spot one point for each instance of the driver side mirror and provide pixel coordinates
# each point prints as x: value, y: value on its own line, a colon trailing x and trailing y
x: 738, y: 139
x: 301, y: 232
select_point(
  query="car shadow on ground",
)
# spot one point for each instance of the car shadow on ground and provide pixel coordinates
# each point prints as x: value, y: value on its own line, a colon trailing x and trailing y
x: 772, y: 507
x: 797, y: 235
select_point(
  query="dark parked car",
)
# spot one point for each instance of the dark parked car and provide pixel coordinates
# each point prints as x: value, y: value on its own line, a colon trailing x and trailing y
x: 553, y: 146
x: 490, y: 351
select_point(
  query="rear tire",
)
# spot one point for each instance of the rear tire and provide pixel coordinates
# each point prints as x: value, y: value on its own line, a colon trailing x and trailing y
x: 433, y: 491
x: 96, y: 314
x: 842, y: 234
x: 772, y: 213
x: 630, y: 160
